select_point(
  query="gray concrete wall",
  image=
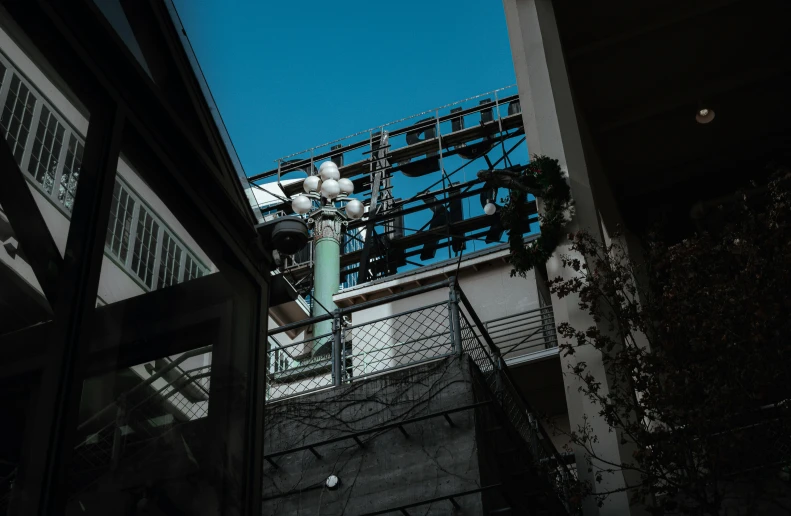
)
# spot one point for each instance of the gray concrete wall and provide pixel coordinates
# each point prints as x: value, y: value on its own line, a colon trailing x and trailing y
x: 391, y: 470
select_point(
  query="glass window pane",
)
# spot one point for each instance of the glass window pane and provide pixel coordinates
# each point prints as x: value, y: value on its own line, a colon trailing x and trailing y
x: 67, y: 188
x: 118, y: 233
x: 16, y: 117
x: 146, y: 239
x: 170, y: 261
x: 46, y: 150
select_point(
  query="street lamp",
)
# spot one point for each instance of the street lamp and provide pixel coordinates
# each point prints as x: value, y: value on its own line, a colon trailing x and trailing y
x: 318, y: 206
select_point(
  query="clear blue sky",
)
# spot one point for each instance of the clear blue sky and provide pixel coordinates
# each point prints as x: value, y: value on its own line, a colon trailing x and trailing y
x: 294, y: 74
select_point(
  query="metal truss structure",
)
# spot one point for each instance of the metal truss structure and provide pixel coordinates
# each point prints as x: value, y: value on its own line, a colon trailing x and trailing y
x: 426, y: 152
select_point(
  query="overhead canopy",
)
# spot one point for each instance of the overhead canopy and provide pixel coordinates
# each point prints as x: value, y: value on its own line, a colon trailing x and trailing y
x: 641, y: 70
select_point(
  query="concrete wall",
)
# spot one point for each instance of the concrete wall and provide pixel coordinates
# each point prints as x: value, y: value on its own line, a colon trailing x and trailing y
x: 391, y: 470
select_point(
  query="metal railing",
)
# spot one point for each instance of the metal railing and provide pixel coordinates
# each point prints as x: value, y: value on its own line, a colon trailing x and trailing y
x: 523, y: 333
x: 487, y: 356
x: 385, y: 342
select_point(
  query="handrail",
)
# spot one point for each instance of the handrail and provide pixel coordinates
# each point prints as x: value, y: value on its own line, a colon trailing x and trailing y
x: 507, y: 374
x: 541, y: 309
x: 477, y: 320
x: 151, y: 379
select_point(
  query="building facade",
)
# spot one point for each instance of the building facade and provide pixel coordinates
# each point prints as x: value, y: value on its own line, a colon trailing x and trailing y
x: 135, y: 291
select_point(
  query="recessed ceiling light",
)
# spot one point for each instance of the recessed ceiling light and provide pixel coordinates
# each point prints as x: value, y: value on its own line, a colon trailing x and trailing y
x: 704, y: 115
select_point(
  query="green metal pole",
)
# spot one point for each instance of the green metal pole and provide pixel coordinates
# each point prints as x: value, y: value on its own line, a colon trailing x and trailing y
x: 326, y: 273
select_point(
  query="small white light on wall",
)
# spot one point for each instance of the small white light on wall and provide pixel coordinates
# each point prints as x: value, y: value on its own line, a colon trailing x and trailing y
x: 329, y: 170
x: 311, y: 184
x: 355, y: 209
x: 490, y: 208
x: 704, y: 115
x: 301, y: 204
x: 332, y: 482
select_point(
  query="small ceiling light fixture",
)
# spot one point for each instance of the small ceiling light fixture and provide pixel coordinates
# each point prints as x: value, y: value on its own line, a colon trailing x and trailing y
x: 332, y: 482
x: 704, y: 115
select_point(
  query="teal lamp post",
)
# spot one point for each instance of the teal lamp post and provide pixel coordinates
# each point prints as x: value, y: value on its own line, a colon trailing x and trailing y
x: 318, y: 204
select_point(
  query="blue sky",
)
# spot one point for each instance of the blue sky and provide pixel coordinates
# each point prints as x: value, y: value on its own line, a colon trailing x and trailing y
x: 290, y: 75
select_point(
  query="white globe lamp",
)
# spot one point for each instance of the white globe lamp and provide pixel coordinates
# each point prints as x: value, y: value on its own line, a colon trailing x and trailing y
x: 301, y: 204
x: 311, y: 184
x: 329, y: 170
x: 346, y: 185
x: 490, y: 208
x: 355, y: 209
x: 330, y: 189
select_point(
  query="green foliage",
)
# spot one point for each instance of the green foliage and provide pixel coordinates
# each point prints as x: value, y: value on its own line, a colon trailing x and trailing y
x: 542, y: 178
x: 696, y: 344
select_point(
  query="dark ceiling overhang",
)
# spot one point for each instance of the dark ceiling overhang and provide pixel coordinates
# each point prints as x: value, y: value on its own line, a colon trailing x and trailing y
x: 639, y: 71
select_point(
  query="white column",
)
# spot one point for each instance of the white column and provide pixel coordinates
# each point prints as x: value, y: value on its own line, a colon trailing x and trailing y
x: 552, y: 128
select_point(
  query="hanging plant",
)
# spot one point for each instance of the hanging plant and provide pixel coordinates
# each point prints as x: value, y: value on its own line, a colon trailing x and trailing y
x: 543, y: 179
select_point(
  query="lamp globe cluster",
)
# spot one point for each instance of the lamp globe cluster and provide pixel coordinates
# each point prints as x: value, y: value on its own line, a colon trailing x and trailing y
x: 330, y: 185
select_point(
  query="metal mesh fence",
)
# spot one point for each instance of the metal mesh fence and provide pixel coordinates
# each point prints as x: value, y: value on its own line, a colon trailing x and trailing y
x: 293, y: 368
x: 401, y: 340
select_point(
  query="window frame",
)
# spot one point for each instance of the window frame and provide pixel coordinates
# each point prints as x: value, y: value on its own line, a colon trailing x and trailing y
x: 163, y: 227
x: 69, y: 129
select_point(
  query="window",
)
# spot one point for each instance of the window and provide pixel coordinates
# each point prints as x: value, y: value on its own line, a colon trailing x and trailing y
x: 169, y: 261
x: 71, y: 172
x: 47, y: 145
x: 193, y: 269
x: 145, y: 248
x: 159, y: 259
x: 52, y: 168
x: 17, y: 115
x: 118, y: 234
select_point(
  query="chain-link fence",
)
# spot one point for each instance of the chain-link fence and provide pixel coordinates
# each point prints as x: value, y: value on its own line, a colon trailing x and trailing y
x: 400, y: 340
x: 299, y: 363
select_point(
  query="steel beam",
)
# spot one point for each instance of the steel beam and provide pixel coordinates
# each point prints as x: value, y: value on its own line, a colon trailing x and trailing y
x: 30, y: 228
x: 43, y: 467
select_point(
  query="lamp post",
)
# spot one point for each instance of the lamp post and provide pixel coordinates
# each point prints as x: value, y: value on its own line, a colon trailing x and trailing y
x: 318, y: 205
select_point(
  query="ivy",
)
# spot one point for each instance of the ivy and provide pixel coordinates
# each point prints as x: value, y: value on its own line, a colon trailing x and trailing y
x: 544, y: 179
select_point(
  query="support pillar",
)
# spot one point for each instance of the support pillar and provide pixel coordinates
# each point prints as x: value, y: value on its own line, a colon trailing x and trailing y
x: 326, y: 272
x: 552, y: 128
